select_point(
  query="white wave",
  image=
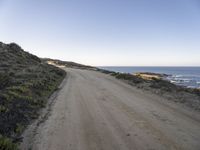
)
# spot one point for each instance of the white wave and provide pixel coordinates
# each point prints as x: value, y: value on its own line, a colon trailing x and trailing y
x: 173, y: 81
x: 177, y: 76
x: 192, y: 86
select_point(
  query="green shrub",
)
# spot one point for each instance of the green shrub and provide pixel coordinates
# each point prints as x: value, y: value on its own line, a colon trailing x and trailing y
x: 130, y: 77
x: 7, y: 144
x: 3, y: 109
x: 19, y: 128
x: 4, y: 80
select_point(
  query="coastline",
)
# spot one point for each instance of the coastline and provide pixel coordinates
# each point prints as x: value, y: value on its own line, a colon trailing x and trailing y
x: 159, y: 85
x: 180, y: 75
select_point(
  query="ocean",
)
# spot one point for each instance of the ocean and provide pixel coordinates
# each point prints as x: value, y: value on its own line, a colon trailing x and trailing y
x: 184, y: 76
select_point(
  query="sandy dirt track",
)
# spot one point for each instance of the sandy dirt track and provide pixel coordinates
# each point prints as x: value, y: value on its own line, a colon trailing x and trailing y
x: 94, y: 111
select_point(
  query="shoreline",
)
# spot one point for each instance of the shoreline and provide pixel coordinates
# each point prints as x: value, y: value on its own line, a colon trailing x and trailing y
x: 184, y: 76
x: 189, y: 97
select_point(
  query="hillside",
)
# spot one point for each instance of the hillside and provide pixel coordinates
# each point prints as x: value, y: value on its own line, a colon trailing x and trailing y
x: 25, y: 85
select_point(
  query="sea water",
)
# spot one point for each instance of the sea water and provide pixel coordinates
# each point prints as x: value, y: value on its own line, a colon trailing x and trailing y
x: 184, y: 76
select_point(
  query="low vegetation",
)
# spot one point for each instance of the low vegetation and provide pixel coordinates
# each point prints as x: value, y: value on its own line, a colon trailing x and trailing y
x: 26, y: 82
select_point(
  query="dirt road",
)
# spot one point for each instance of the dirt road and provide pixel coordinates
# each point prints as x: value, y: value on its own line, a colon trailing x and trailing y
x: 94, y: 111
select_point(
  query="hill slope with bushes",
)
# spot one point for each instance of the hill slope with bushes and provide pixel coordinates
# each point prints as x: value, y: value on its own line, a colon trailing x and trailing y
x: 26, y: 83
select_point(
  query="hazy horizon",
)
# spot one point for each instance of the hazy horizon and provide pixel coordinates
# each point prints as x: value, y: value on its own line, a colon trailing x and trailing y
x: 148, y: 66
x: 107, y: 32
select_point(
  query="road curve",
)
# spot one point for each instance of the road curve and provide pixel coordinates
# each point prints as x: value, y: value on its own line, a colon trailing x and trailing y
x: 94, y: 111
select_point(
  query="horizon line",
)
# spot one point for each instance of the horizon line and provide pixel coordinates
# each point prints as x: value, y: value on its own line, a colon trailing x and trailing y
x: 145, y: 66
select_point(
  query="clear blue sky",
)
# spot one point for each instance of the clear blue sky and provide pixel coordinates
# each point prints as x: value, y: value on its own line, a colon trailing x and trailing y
x: 106, y: 32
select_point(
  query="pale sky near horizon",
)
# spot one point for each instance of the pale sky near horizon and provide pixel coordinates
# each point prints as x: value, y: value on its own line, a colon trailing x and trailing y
x: 106, y: 32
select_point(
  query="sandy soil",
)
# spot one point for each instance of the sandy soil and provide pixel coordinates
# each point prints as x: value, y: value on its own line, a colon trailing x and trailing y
x: 94, y: 111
